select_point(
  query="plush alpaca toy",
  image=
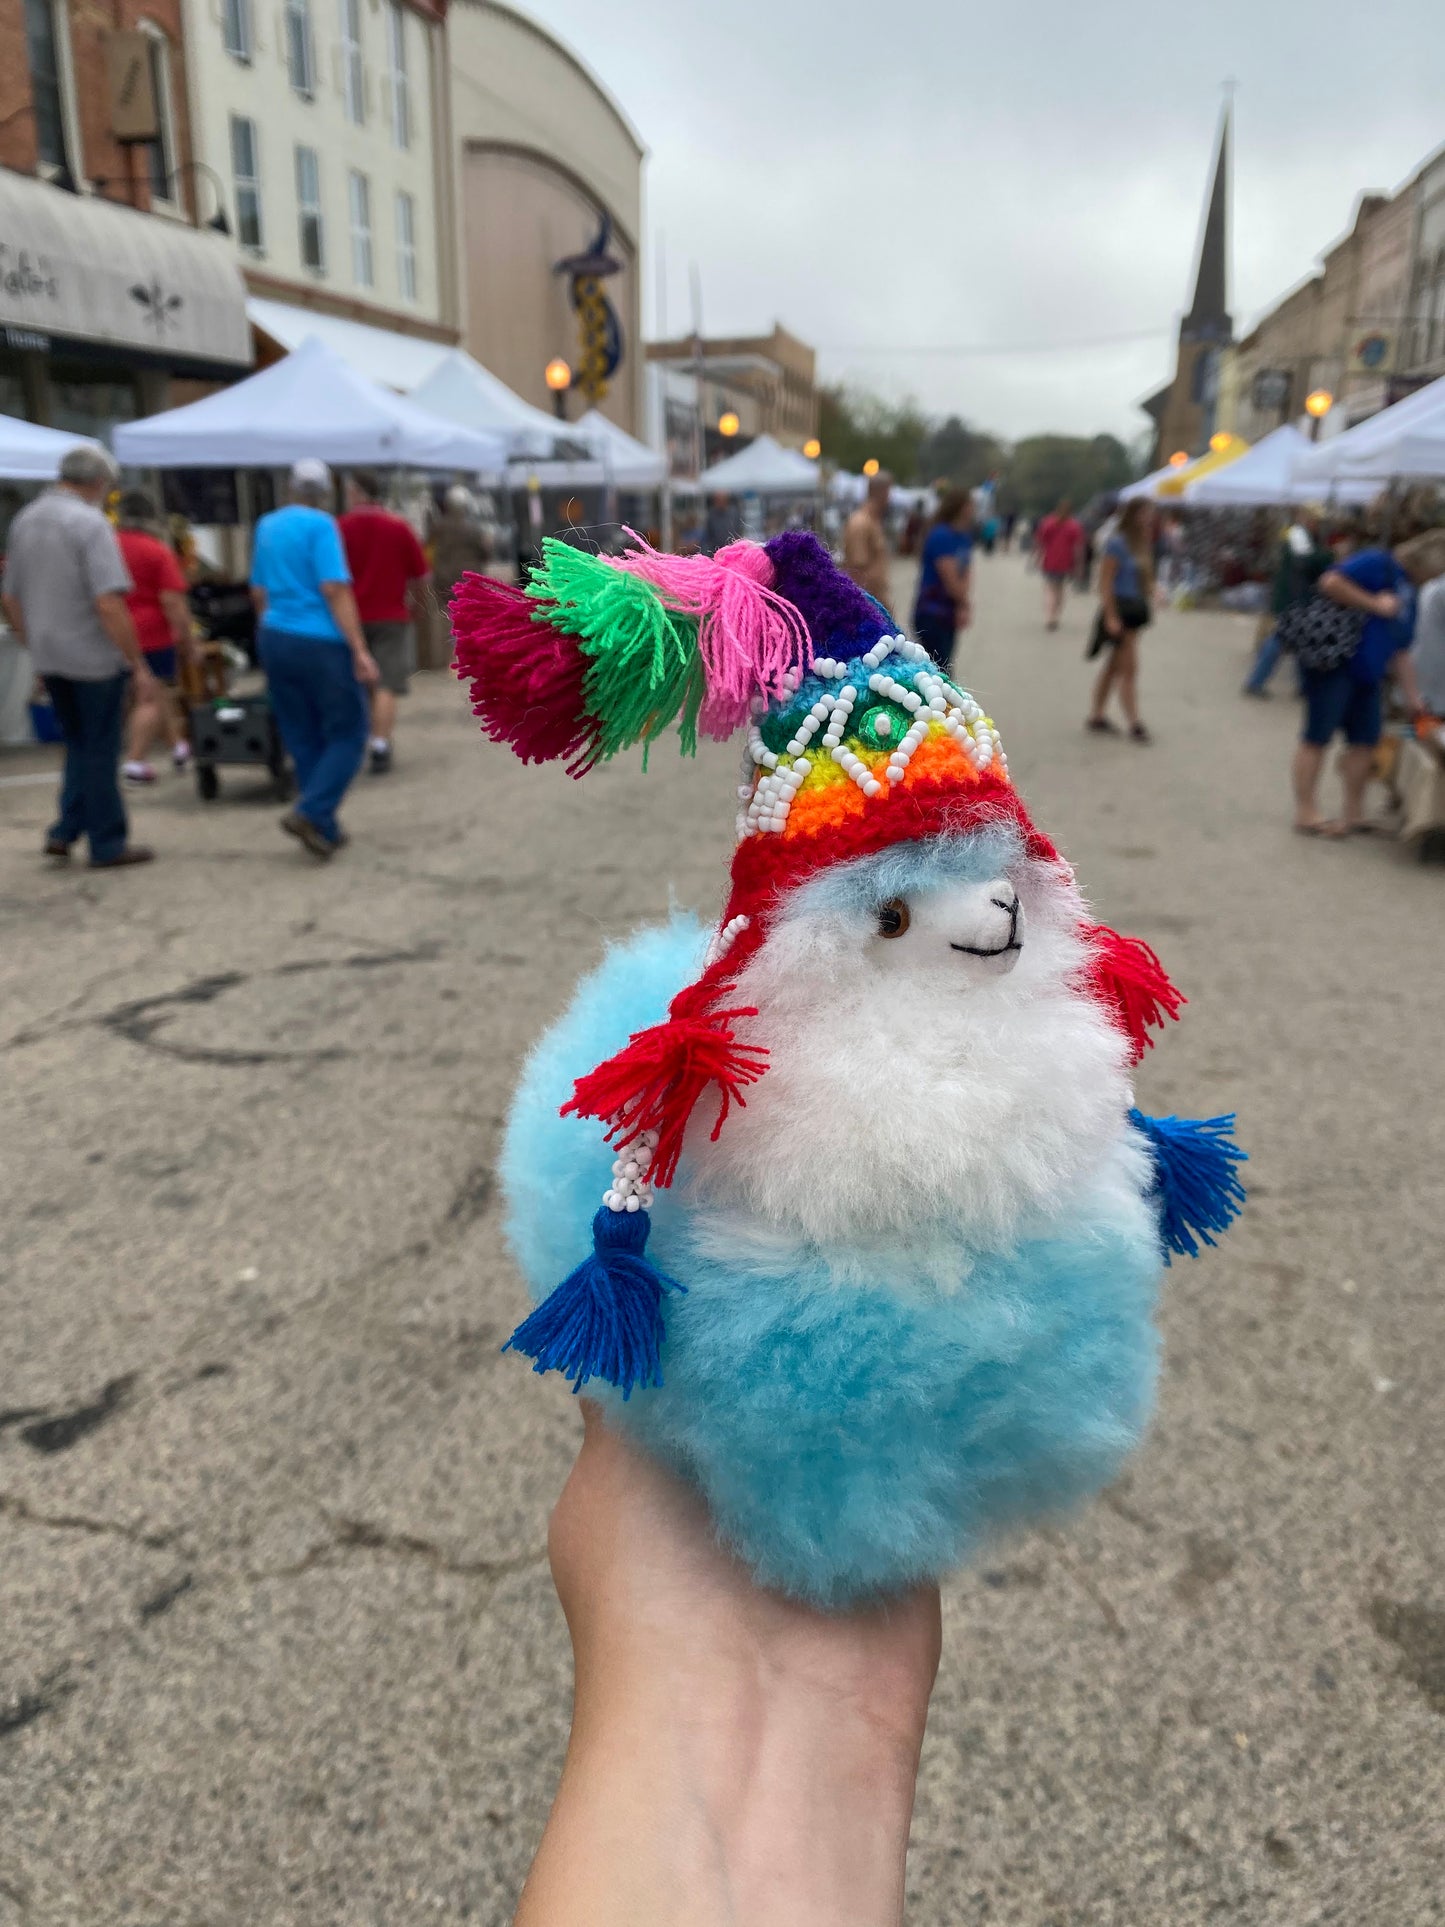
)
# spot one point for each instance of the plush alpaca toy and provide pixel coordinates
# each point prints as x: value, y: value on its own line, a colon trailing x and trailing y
x: 906, y: 1231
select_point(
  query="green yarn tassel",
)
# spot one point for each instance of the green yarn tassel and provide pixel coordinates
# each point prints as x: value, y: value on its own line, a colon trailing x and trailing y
x: 644, y: 668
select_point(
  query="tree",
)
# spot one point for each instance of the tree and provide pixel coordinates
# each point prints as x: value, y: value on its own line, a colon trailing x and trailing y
x: 855, y: 426
x: 958, y: 453
x: 1046, y: 468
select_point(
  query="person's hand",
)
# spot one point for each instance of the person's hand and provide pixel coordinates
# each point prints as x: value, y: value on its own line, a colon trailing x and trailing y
x: 734, y: 1756
x: 1114, y: 625
x: 367, y: 673
x: 1387, y: 604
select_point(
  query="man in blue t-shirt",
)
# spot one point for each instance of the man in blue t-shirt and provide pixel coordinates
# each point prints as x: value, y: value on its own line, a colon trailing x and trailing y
x: 1350, y: 698
x: 312, y: 648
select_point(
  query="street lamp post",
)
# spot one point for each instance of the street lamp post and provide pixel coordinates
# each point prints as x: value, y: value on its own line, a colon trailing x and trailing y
x: 558, y: 376
x: 1317, y: 406
x: 728, y: 424
x: 871, y: 467
x: 813, y: 449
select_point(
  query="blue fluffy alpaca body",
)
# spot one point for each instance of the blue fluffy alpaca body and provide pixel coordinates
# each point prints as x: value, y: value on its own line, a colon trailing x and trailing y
x: 857, y: 1414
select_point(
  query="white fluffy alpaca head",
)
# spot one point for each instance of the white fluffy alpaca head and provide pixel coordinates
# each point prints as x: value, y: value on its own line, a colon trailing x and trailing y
x: 932, y: 1051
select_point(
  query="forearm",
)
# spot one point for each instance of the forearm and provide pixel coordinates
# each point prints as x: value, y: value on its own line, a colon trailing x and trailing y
x: 753, y: 1799
x: 341, y: 601
x: 1349, y: 595
x: 14, y: 616
x: 116, y: 622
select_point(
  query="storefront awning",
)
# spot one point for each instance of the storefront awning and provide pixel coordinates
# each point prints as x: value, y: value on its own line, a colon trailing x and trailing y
x: 79, y: 271
x: 398, y: 361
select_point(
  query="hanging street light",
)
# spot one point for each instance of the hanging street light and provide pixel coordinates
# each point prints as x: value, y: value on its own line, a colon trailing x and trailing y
x: 813, y: 449
x: 728, y: 424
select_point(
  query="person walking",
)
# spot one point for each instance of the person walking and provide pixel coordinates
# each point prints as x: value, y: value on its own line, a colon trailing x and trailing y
x: 1126, y: 587
x: 945, y: 581
x: 65, y: 599
x: 1059, y: 539
x: 1348, y: 699
x: 161, y: 611
x: 1300, y: 561
x: 865, y: 540
x: 459, y: 543
x: 389, y: 578
x: 312, y: 648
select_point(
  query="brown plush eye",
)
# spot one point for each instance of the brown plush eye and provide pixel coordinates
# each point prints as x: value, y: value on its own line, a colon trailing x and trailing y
x: 893, y: 918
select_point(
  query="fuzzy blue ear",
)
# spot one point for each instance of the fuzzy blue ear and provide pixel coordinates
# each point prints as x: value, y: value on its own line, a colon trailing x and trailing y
x: 605, y: 1319
x: 1195, y: 1180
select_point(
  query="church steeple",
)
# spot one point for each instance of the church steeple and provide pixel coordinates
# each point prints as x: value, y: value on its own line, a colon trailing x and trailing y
x: 1208, y: 318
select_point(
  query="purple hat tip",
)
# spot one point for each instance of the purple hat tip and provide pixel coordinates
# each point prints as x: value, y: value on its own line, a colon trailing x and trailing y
x: 843, y: 620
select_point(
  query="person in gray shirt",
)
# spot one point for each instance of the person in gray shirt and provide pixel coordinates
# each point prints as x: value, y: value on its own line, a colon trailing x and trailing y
x: 64, y: 596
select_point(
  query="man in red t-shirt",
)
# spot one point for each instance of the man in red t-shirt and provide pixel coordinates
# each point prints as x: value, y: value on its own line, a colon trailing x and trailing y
x: 161, y: 612
x: 1059, y: 539
x: 389, y: 573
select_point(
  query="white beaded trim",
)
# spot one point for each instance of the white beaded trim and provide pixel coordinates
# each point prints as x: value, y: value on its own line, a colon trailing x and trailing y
x: 629, y: 1189
x: 769, y: 786
x: 724, y: 939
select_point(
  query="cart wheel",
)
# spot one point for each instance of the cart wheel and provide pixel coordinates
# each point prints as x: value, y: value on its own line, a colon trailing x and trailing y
x: 207, y: 782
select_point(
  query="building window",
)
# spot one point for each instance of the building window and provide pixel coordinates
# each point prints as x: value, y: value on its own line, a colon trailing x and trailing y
x: 353, y: 75
x: 400, y: 79
x: 406, y: 246
x: 246, y: 178
x: 300, y: 48
x: 47, y: 52
x: 359, y: 190
x: 236, y: 31
x: 161, y: 152
x: 308, y: 205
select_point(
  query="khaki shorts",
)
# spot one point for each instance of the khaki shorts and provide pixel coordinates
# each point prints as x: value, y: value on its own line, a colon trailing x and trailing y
x: 394, y: 646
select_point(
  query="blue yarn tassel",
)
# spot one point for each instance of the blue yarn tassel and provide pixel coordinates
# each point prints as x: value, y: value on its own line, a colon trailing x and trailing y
x: 605, y: 1319
x: 1195, y: 1181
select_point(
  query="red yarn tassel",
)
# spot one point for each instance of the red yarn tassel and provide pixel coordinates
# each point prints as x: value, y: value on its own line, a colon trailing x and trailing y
x: 656, y: 1082
x: 1125, y: 974
x: 525, y: 676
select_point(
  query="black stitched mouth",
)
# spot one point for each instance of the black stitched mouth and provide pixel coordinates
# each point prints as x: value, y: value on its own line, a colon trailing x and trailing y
x: 1001, y: 949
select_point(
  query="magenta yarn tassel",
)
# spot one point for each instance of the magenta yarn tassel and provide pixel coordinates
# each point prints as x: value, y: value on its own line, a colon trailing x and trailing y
x: 752, y: 641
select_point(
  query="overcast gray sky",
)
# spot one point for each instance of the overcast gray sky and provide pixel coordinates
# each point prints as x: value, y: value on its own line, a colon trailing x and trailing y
x: 883, y: 178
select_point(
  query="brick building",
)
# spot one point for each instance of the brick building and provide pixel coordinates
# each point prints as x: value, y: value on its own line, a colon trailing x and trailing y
x: 111, y: 303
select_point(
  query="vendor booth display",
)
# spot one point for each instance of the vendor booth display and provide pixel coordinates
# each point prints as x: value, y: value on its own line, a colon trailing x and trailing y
x: 840, y: 1206
x: 1405, y: 443
x: 764, y: 467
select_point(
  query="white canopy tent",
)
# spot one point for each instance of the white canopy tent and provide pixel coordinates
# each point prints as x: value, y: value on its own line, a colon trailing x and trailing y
x: 311, y: 402
x: 29, y: 453
x: 1146, y: 485
x: 459, y: 389
x: 1405, y: 443
x: 627, y: 462
x: 764, y: 467
x: 1265, y: 478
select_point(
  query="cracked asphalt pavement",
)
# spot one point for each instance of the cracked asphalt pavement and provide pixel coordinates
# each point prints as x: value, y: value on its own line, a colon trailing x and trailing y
x: 277, y: 1641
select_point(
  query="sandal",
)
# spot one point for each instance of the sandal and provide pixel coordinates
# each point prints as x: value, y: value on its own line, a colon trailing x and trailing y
x: 1140, y: 734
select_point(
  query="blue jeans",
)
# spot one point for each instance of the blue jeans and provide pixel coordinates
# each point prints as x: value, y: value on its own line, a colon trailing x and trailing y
x: 1265, y: 662
x: 321, y: 711
x: 90, y: 715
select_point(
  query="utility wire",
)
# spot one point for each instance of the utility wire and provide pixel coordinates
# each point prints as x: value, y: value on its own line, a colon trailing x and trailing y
x: 994, y: 347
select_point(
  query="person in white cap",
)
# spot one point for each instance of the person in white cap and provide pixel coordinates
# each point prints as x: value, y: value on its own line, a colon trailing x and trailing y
x: 318, y: 667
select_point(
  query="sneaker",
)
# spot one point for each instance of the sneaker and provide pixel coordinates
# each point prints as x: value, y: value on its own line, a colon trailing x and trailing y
x: 132, y: 853
x: 138, y: 772
x: 380, y: 758
x: 181, y: 755
x: 305, y: 831
x: 57, y: 847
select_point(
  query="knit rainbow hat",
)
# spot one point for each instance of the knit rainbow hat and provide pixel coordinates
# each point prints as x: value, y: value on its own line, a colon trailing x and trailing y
x: 856, y: 740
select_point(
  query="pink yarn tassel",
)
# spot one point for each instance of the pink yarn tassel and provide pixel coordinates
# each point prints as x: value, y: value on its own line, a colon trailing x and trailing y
x: 752, y: 641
